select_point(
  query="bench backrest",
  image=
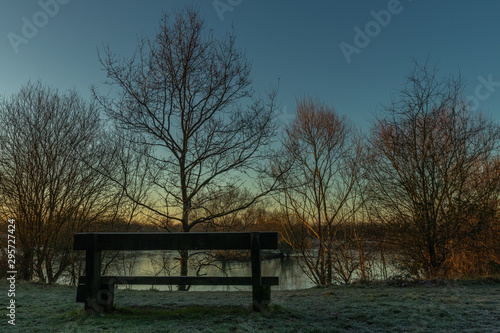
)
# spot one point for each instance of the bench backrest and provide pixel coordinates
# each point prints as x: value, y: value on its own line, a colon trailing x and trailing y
x: 173, y: 240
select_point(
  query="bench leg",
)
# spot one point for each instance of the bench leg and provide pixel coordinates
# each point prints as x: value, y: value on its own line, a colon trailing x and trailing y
x: 106, y: 296
x: 261, y: 298
x: 266, y: 295
x: 103, y: 302
x: 261, y: 295
x: 94, y: 291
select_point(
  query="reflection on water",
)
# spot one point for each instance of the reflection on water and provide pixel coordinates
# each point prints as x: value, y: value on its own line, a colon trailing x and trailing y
x: 287, y: 269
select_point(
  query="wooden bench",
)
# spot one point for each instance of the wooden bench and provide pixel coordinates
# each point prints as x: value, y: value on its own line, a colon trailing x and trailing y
x: 97, y: 292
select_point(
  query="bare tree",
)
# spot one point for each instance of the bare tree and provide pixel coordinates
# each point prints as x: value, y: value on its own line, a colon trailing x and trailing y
x: 319, y: 172
x: 44, y: 185
x: 185, y: 100
x: 239, y: 220
x: 435, y: 164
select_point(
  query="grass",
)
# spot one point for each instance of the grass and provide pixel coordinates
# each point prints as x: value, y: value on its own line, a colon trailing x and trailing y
x: 432, y: 306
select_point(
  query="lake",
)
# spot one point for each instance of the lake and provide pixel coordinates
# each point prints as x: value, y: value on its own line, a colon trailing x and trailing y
x: 287, y: 269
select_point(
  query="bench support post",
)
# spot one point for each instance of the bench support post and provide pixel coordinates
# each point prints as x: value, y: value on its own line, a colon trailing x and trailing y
x: 98, y: 298
x: 261, y: 295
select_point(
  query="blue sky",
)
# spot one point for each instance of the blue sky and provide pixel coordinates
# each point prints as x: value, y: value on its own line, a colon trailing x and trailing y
x: 296, y: 41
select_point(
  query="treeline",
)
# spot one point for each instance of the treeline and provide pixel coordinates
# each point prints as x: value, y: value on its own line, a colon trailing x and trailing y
x: 185, y: 144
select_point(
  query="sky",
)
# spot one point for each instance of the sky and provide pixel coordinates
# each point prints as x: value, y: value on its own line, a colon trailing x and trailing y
x: 349, y: 54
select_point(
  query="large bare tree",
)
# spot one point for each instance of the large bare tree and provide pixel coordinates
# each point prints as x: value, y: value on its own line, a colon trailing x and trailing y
x: 437, y: 164
x: 45, y: 185
x: 185, y: 100
x: 319, y: 170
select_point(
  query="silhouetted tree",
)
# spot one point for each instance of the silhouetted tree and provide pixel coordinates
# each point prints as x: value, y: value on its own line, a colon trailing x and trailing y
x: 434, y: 163
x: 45, y: 185
x: 319, y: 170
x: 184, y: 99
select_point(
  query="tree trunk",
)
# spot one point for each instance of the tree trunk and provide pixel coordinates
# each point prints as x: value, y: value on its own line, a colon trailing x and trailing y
x: 26, y: 265
x: 184, y: 254
x: 184, y: 268
x: 50, y: 273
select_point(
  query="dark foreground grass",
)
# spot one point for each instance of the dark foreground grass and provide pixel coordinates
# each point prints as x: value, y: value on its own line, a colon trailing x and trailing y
x: 443, y: 306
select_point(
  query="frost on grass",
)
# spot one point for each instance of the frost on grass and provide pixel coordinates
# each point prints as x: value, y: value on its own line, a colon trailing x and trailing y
x: 443, y: 307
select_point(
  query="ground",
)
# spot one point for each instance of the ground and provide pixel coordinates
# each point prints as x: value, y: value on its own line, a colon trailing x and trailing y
x: 431, y: 306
